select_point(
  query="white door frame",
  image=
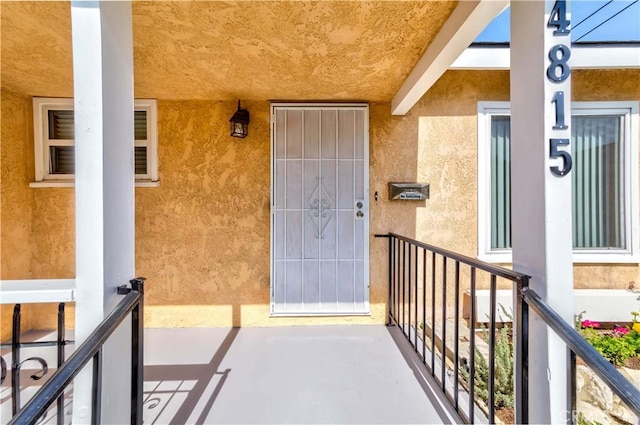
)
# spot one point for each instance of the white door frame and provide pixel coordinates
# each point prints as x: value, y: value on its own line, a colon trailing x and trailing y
x: 330, y: 106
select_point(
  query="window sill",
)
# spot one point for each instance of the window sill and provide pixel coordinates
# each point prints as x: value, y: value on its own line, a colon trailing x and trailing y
x: 66, y: 183
x: 147, y: 183
x: 578, y: 258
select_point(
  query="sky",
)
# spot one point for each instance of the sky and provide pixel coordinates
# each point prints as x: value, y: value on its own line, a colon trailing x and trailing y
x: 624, y: 26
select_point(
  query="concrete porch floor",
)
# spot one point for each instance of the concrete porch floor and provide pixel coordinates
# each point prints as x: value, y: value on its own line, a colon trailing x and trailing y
x: 310, y: 374
x: 280, y: 375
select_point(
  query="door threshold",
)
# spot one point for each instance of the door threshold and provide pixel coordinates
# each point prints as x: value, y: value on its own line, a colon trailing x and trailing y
x: 321, y: 314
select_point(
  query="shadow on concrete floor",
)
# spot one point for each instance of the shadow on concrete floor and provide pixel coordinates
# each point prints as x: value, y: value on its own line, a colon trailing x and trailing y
x: 189, y: 410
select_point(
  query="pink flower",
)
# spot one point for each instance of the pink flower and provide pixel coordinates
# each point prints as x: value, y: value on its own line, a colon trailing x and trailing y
x: 590, y: 324
x: 621, y: 330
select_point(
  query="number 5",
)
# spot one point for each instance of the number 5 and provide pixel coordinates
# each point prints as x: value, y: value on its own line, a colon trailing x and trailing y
x: 555, y: 153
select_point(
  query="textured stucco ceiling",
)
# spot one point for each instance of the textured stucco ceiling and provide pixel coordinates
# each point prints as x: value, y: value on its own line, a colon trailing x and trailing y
x: 328, y: 50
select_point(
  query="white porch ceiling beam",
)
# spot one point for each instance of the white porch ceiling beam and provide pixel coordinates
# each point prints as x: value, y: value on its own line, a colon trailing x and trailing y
x: 582, y: 57
x: 468, y: 20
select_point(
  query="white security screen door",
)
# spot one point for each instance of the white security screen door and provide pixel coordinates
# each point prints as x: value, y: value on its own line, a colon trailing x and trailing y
x: 320, y: 214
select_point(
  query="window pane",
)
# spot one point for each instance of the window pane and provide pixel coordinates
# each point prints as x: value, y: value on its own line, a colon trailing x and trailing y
x: 140, y: 125
x: 500, y: 183
x: 61, y: 160
x: 140, y: 160
x: 598, y: 182
x: 60, y: 125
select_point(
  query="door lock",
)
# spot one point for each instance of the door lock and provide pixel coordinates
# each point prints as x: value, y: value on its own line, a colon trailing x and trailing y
x: 359, y: 209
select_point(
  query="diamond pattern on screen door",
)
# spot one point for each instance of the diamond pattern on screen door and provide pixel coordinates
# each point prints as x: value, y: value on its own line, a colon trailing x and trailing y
x: 319, y: 211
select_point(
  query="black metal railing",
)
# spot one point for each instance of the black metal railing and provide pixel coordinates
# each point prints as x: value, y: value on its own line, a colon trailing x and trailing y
x: 17, y: 346
x: 578, y: 346
x: 91, y: 348
x: 424, y: 283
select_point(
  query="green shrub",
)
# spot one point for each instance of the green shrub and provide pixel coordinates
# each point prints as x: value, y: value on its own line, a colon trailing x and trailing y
x: 503, y: 372
x: 584, y: 421
x: 616, y: 349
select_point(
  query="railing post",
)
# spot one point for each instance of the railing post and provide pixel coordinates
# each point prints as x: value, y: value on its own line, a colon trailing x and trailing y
x: 396, y: 280
x: 443, y: 370
x: 60, y: 348
x: 96, y: 392
x: 572, y: 382
x: 137, y: 353
x: 456, y: 335
x: 472, y: 348
x: 521, y: 353
x: 433, y: 314
x: 492, y: 349
x: 415, y: 281
x: 424, y: 305
x: 15, y: 361
x: 404, y: 281
x: 408, y: 331
x: 390, y: 301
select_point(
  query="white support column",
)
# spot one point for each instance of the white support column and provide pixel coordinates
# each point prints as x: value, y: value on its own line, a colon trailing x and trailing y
x: 541, y: 200
x: 104, y: 187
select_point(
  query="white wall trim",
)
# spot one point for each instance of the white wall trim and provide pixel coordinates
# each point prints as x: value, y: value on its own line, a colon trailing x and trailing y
x: 485, y: 111
x: 59, y: 183
x: 603, y: 305
x: 41, y: 107
x: 582, y: 57
x: 466, y: 22
x: 37, y: 291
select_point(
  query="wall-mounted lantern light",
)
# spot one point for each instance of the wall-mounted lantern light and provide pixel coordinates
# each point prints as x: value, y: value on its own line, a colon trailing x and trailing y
x: 240, y: 123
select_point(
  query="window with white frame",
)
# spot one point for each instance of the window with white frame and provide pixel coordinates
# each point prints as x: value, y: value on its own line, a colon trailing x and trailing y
x: 604, y: 140
x: 54, y: 141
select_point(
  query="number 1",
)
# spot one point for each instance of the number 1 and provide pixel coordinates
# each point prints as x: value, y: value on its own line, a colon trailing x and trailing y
x: 558, y: 99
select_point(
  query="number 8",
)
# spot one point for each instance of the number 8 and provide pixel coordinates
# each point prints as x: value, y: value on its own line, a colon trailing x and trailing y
x: 559, y: 62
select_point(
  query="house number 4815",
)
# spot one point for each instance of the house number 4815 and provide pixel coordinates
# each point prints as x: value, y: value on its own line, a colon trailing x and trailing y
x: 558, y: 72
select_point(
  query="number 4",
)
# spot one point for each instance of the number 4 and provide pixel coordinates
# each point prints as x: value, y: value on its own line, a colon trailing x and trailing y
x: 558, y: 18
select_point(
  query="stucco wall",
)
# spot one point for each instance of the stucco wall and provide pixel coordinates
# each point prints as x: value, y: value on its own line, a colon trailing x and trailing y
x: 447, y: 126
x: 36, y: 228
x: 202, y: 237
x: 15, y: 197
